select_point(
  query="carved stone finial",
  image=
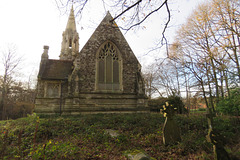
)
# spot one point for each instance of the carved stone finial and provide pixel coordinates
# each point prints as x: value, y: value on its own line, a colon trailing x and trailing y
x: 45, y: 52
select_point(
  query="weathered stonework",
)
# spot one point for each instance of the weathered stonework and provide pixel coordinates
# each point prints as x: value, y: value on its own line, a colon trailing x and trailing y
x: 105, y: 76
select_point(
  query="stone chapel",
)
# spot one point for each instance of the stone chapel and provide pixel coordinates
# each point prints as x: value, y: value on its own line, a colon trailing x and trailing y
x: 105, y: 76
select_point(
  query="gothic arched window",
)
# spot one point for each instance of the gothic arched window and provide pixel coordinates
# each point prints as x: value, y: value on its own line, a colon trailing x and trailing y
x: 108, y: 67
x: 53, y: 90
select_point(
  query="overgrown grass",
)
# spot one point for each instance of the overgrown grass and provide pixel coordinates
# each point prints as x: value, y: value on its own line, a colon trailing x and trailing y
x: 84, y: 137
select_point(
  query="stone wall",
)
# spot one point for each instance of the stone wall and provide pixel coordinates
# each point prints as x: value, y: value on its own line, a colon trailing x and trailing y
x: 86, y: 60
x: 91, y: 103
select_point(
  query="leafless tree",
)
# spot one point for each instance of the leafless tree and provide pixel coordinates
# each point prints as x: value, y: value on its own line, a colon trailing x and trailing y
x: 10, y: 61
x: 207, y: 46
x: 227, y: 29
x: 151, y: 77
x: 204, y: 42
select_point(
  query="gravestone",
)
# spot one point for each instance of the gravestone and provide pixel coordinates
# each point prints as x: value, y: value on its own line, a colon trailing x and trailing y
x: 171, y: 131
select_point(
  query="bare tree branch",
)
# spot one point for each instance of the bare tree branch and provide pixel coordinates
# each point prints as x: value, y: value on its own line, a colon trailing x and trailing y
x: 104, y: 5
x: 126, y: 10
x: 136, y: 24
x: 164, y: 30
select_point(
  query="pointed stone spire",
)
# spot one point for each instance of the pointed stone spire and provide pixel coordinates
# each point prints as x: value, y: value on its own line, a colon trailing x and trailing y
x: 71, y: 21
x: 70, y: 39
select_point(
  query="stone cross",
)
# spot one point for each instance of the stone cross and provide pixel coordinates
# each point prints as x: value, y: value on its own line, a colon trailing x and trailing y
x: 169, y: 110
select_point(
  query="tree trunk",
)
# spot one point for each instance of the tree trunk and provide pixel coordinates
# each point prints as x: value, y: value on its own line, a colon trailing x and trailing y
x: 221, y: 80
x: 3, y: 107
x: 187, y: 96
x: 226, y: 83
x: 210, y: 91
x: 236, y: 56
x: 204, y: 94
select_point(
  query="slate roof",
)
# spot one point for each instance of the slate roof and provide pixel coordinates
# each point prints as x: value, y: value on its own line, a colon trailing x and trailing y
x: 55, y: 69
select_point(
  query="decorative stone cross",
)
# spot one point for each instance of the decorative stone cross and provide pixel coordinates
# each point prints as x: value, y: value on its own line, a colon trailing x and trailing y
x: 171, y: 132
x: 169, y: 110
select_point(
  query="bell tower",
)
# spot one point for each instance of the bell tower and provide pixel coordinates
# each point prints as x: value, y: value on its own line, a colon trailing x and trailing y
x: 70, y: 39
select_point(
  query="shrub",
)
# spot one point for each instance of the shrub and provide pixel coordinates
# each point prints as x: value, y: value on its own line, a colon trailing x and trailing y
x: 156, y: 104
x: 19, y: 109
x: 231, y: 104
x: 177, y: 102
x: 202, y: 109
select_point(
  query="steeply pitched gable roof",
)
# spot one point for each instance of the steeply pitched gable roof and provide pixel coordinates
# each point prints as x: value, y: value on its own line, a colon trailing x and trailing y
x: 108, y: 30
x: 55, y: 69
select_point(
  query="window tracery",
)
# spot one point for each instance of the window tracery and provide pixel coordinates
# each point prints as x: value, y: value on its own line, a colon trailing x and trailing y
x: 108, y: 50
x: 53, y: 90
x: 108, y: 67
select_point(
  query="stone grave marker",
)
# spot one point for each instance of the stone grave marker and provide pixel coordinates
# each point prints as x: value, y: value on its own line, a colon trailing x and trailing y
x: 171, y: 131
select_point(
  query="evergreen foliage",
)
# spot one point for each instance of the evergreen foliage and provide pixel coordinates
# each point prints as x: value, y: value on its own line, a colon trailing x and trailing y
x: 231, y: 104
x: 156, y: 104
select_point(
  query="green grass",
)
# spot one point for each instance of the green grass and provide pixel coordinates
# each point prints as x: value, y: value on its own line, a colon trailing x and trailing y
x: 84, y: 137
x: 197, y: 111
